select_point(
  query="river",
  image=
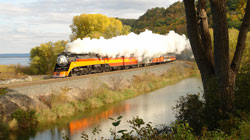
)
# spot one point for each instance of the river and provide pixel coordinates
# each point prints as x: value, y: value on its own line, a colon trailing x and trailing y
x: 155, y: 107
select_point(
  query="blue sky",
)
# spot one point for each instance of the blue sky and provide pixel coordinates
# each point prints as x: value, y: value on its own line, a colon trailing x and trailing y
x: 25, y: 24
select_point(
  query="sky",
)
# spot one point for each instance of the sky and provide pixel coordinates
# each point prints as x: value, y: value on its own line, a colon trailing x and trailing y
x: 25, y: 24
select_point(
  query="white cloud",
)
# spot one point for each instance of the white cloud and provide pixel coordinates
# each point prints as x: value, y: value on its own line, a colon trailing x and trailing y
x: 25, y: 24
x: 12, y: 10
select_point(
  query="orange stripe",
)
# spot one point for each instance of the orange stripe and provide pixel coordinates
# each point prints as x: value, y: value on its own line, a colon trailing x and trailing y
x: 90, y: 59
x: 116, y: 64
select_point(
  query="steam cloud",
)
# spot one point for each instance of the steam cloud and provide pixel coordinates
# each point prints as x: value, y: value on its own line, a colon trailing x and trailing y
x: 146, y: 44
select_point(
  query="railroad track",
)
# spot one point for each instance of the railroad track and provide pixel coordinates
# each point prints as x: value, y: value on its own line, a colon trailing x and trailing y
x: 52, y: 80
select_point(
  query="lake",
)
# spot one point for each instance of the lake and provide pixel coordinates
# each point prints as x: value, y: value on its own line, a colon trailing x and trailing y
x: 9, y: 59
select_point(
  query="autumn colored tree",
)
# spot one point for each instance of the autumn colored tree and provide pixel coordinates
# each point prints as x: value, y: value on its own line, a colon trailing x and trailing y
x: 216, y: 71
x: 95, y: 26
x: 43, y: 57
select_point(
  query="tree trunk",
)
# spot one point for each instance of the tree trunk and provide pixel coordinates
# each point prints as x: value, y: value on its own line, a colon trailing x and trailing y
x: 241, y: 45
x: 221, y: 53
x: 199, y: 51
x: 205, y: 34
x: 215, y: 69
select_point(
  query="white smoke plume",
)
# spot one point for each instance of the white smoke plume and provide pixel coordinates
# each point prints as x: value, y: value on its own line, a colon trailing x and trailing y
x: 146, y: 44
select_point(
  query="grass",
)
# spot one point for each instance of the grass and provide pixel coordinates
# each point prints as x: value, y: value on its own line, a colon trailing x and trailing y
x: 98, y: 93
x: 12, y: 71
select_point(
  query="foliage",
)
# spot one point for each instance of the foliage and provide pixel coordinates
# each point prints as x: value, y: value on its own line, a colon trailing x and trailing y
x: 140, y: 130
x: 95, y: 26
x: 242, y: 92
x: 161, y: 20
x: 235, y: 8
x: 181, y: 131
x: 116, y: 122
x: 3, y: 91
x: 26, y: 119
x: 190, y: 109
x: 43, y: 57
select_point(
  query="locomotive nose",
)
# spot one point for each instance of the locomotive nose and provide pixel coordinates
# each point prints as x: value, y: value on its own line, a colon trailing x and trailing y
x: 62, y: 60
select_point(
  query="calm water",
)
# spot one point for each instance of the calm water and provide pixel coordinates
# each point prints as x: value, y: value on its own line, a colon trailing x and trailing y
x: 8, y: 59
x: 11, y: 60
x: 155, y: 107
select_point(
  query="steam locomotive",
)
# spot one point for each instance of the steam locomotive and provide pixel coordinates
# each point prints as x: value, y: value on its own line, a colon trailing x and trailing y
x: 69, y: 64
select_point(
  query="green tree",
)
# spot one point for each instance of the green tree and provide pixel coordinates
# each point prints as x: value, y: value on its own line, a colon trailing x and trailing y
x: 43, y: 57
x: 95, y: 26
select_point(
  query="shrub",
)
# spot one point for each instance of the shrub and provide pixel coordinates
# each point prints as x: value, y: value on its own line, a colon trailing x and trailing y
x: 181, y: 131
x: 191, y: 109
x: 26, y: 119
x: 242, y: 92
x: 43, y: 57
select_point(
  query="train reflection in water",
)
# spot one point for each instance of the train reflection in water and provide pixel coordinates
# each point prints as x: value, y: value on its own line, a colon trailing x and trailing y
x: 81, y: 125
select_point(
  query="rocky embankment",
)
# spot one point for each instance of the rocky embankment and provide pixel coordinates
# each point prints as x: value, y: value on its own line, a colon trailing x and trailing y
x: 10, y: 81
x: 30, y: 97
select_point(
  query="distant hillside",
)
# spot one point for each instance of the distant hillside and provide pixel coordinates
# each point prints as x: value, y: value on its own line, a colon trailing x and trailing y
x: 162, y: 20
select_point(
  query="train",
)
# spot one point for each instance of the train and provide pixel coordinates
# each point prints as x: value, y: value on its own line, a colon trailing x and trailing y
x: 70, y: 64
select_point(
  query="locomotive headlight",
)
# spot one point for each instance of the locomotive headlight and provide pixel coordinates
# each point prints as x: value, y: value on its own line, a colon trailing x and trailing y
x: 62, y: 60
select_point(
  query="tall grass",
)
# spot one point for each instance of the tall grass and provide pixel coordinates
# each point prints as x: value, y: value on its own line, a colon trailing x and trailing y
x: 13, y: 71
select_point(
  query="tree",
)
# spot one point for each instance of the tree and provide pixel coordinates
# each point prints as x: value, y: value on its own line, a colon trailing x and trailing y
x: 95, y: 26
x: 214, y: 65
x: 43, y: 57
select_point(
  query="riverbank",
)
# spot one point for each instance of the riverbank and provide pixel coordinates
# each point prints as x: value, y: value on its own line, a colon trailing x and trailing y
x: 71, y: 101
x: 52, y: 108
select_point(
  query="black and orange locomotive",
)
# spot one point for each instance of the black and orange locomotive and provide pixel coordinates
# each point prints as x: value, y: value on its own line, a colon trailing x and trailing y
x: 69, y: 64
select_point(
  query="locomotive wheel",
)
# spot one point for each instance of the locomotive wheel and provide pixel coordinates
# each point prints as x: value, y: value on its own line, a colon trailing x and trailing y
x: 84, y: 71
x: 107, y: 68
x: 73, y: 74
x: 119, y: 68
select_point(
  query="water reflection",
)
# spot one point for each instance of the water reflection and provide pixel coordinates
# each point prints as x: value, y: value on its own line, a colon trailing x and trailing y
x: 81, y: 125
x: 155, y: 107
